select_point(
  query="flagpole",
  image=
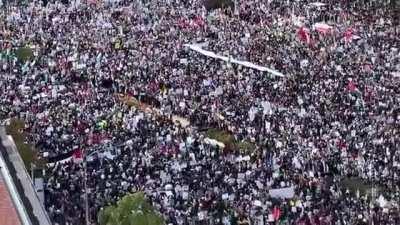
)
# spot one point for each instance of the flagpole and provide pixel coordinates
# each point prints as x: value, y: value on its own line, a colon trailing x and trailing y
x: 87, y: 218
x: 86, y: 190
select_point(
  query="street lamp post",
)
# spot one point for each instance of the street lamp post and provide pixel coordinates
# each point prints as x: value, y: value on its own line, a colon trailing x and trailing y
x: 86, y: 193
x: 33, y: 167
x: 87, y: 218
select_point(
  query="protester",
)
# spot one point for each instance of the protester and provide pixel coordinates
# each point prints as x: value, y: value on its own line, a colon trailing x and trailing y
x: 333, y: 115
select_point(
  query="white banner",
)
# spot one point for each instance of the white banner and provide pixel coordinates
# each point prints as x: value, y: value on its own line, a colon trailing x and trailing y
x: 231, y: 60
x: 284, y: 193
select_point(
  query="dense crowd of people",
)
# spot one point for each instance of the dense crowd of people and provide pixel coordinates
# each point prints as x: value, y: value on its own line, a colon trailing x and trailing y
x: 334, y: 115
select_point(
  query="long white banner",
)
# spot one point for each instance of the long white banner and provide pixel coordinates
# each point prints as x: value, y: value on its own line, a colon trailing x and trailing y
x: 227, y: 59
x: 284, y: 193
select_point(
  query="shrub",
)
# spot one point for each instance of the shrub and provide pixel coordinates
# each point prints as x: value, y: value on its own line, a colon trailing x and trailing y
x: 24, y: 54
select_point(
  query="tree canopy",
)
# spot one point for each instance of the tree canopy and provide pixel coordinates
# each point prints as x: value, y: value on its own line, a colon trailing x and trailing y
x: 24, y: 53
x: 132, y: 209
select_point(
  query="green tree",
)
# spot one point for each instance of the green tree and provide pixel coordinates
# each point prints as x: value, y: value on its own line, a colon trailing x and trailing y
x: 132, y: 209
x: 27, y: 152
x: 24, y: 54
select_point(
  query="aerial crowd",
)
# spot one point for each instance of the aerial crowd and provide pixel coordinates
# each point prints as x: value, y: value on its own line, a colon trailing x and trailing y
x: 115, y: 83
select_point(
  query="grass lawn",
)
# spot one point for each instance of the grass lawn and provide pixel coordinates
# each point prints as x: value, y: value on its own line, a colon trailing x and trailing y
x: 229, y: 141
